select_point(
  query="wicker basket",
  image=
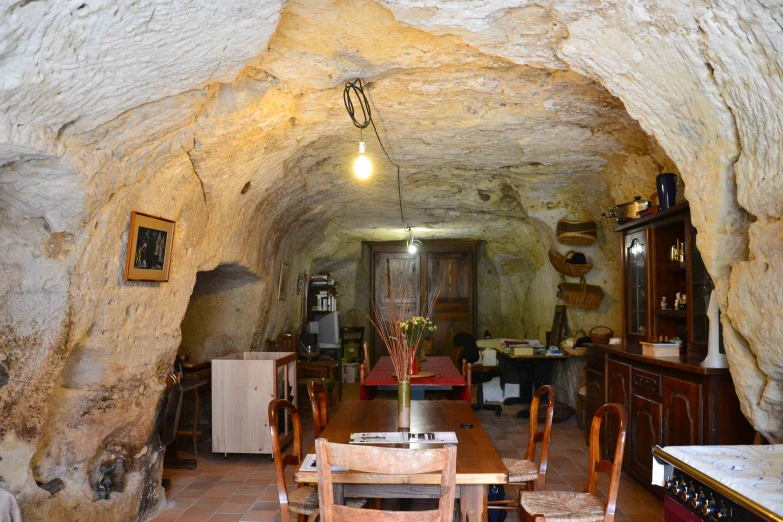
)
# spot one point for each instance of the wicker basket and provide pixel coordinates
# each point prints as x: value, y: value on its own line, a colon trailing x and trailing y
x: 579, y: 231
x: 601, y: 337
x: 581, y: 294
x: 562, y: 265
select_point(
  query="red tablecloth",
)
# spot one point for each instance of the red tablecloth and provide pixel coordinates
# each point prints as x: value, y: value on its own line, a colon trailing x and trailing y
x: 446, y: 374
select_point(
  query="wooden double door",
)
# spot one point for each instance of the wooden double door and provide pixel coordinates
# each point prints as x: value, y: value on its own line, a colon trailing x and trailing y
x: 442, y: 269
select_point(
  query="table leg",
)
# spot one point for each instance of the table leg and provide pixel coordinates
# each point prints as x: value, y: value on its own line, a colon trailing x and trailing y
x: 195, y: 424
x: 472, y: 502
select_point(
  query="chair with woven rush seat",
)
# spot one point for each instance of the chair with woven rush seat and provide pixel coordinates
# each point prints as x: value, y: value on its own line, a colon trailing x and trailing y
x: 526, y: 471
x: 467, y: 352
x: 303, y: 500
x: 569, y: 506
x: 317, y: 390
x: 389, y: 462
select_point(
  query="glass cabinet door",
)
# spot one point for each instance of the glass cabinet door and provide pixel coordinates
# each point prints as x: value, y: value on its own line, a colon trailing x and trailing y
x: 636, y: 286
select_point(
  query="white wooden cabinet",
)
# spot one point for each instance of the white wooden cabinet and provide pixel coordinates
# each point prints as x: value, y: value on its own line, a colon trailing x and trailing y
x: 243, y: 385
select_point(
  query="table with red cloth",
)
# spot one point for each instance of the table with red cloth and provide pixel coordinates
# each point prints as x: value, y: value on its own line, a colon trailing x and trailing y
x: 446, y: 376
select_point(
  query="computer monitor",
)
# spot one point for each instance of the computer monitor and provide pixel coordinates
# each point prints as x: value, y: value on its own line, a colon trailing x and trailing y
x: 329, y: 331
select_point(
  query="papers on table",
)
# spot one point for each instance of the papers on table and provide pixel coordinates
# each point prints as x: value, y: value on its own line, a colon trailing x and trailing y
x: 309, y: 464
x: 403, y: 437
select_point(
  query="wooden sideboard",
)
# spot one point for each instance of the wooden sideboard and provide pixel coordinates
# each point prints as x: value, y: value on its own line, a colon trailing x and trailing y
x: 670, y: 402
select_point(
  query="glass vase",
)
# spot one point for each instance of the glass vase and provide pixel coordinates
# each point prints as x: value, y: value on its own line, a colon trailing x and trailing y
x: 404, y: 404
x: 413, y: 362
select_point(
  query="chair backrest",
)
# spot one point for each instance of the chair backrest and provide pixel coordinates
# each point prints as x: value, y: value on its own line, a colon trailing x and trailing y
x: 277, y: 408
x: 597, y: 465
x: 320, y: 404
x: 271, y: 345
x: 364, y: 366
x: 385, y: 461
x: 287, y: 343
x: 535, y: 436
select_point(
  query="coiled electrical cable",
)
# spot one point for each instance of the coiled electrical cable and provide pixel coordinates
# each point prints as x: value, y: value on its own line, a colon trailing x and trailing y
x: 356, y: 89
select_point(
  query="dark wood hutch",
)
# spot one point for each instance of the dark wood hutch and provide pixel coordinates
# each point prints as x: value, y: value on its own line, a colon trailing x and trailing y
x: 671, y: 401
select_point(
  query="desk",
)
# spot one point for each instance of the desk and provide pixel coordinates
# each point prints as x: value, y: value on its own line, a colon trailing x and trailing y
x: 478, y: 464
x: 446, y: 376
x: 533, y: 369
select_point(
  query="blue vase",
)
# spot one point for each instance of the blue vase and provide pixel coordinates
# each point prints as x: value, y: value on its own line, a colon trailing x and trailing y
x: 667, y: 190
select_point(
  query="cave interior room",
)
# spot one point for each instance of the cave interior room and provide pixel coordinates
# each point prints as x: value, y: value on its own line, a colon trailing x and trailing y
x: 276, y: 260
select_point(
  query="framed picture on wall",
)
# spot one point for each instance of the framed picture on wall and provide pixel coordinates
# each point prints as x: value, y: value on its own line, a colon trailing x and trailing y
x: 150, y: 240
x: 282, y: 283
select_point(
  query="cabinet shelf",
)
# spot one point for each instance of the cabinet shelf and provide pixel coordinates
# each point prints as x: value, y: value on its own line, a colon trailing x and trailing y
x: 672, y: 313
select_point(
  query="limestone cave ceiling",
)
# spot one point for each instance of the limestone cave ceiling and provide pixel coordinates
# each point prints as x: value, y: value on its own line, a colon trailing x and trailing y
x: 460, y: 122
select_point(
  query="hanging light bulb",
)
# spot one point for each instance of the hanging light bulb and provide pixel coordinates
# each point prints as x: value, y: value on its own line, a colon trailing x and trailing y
x: 413, y: 244
x: 362, y: 168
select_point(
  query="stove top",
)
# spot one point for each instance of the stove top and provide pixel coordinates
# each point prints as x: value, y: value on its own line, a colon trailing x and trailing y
x: 744, y: 478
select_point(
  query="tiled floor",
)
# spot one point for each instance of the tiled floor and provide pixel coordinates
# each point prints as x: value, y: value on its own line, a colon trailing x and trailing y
x: 243, y: 487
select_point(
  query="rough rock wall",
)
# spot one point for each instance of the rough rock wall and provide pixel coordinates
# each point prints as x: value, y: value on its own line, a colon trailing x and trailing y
x: 194, y: 113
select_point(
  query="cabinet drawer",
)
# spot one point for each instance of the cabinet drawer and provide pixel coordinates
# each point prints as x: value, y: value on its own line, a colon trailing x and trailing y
x: 646, y: 384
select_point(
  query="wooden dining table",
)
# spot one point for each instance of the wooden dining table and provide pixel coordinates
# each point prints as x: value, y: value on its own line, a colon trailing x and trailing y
x: 445, y: 376
x: 478, y: 463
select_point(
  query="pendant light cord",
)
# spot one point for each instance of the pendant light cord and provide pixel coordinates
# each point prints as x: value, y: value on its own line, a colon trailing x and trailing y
x: 356, y: 89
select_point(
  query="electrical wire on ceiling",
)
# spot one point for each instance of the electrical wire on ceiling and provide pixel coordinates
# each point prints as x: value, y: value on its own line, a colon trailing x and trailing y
x: 356, y: 89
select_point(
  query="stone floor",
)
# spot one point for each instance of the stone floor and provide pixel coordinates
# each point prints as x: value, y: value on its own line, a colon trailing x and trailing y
x: 243, y: 487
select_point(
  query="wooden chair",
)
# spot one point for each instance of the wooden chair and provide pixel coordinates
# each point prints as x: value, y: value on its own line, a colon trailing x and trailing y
x: 479, y: 375
x: 304, y: 500
x: 526, y: 471
x: 364, y: 366
x: 540, y: 506
x: 385, y: 461
x: 286, y: 343
x: 317, y: 390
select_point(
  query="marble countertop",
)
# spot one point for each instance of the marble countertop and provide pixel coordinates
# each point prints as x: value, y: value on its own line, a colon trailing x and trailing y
x: 755, y: 472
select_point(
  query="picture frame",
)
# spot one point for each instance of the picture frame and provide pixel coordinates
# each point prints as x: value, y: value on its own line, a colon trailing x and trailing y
x: 300, y: 283
x: 150, y: 242
x: 282, y: 282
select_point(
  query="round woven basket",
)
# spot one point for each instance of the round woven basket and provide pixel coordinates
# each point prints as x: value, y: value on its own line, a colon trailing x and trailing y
x: 562, y: 265
x: 600, y: 334
x: 577, y: 231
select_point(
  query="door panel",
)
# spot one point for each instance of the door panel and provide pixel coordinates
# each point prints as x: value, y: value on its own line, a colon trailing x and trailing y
x: 451, y: 280
x: 596, y: 397
x: 400, y: 274
x: 682, y: 412
x: 645, y: 433
x: 619, y: 391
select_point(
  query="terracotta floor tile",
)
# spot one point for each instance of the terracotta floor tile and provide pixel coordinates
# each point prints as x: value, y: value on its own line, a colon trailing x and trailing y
x: 242, y: 499
x: 211, y: 501
x: 197, y: 514
x: 169, y: 514
x: 265, y: 506
x: 257, y: 482
x: 261, y: 516
x: 255, y: 492
x: 200, y: 485
x: 189, y: 493
x: 234, y: 507
x: 226, y: 517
